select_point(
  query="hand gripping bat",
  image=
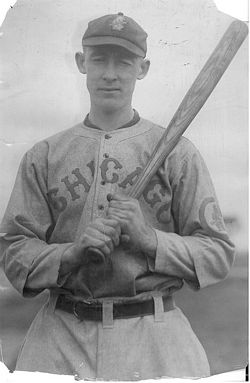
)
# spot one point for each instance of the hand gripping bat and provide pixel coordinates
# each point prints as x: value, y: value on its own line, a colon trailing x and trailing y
x: 193, y: 101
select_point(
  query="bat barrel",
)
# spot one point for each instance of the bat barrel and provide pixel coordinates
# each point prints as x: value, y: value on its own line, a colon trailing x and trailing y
x: 194, y: 99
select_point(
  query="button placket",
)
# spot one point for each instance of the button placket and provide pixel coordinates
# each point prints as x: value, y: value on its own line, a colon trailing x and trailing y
x: 103, y: 187
x: 105, y: 155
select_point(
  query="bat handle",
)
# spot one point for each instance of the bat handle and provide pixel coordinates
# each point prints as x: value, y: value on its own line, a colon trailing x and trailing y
x: 94, y: 255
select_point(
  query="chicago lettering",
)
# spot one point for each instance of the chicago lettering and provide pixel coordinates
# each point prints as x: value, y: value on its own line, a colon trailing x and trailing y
x: 71, y: 186
x: 76, y: 185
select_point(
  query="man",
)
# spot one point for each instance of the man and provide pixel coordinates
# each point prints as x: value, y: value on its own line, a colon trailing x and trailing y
x: 114, y: 319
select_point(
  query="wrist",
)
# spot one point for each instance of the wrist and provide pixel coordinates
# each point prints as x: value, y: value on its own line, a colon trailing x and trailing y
x: 70, y: 260
x: 150, y: 244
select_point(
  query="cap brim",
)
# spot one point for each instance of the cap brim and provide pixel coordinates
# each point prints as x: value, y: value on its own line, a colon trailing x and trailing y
x: 110, y: 40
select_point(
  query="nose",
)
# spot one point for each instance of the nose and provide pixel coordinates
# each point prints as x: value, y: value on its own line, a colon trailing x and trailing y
x: 110, y: 73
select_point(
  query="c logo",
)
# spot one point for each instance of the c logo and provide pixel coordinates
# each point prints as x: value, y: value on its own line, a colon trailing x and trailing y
x: 210, y: 216
x: 105, y: 169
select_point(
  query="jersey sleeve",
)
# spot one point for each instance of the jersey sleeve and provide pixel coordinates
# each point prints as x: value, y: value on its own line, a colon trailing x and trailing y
x: 29, y: 262
x: 199, y: 251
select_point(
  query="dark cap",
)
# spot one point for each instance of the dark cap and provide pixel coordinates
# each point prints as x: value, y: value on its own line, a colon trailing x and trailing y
x: 116, y: 30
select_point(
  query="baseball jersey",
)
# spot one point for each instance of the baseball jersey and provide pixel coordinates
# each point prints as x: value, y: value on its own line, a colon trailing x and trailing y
x: 62, y: 185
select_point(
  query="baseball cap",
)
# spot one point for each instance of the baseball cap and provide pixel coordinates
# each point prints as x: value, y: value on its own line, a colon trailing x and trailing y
x: 116, y: 30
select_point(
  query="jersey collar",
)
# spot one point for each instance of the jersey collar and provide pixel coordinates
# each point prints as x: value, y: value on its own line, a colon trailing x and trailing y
x: 133, y: 121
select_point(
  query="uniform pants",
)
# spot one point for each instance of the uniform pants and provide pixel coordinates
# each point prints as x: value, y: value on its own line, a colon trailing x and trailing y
x: 135, y: 348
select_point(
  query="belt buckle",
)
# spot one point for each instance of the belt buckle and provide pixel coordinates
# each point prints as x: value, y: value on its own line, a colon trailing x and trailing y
x: 85, y: 302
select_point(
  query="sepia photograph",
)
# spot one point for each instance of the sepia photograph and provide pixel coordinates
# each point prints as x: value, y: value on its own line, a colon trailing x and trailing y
x: 124, y: 190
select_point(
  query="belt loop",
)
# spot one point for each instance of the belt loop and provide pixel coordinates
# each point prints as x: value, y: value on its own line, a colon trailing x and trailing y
x: 159, y: 309
x: 107, y: 314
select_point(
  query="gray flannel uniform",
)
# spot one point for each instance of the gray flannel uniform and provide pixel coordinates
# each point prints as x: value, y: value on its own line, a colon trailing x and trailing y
x: 62, y: 185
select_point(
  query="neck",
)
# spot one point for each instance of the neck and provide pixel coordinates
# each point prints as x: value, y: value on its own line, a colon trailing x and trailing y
x: 107, y: 120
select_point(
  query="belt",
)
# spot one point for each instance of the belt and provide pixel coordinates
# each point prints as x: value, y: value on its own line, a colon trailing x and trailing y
x: 94, y: 312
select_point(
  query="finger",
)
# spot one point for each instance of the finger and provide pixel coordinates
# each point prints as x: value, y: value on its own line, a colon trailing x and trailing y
x: 107, y: 241
x: 95, y: 242
x: 119, y: 215
x: 116, y: 240
x: 117, y: 197
x: 101, y: 233
x: 109, y: 231
x: 97, y: 236
x: 122, y: 205
x: 114, y: 234
x: 101, y: 226
x: 125, y: 238
x: 121, y: 221
x: 109, y: 222
x: 124, y: 224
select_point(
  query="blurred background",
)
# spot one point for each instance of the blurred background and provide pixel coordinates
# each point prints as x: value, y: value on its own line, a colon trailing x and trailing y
x: 42, y: 93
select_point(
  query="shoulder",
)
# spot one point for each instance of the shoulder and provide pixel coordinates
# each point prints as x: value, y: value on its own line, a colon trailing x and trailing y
x: 152, y: 128
x: 64, y: 136
x: 185, y: 158
x: 184, y: 148
x: 40, y: 150
x: 186, y: 161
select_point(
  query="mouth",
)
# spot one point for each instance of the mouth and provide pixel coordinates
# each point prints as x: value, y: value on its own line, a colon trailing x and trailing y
x: 109, y: 89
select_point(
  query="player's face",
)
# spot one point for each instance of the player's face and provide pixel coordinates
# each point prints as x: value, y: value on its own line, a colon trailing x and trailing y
x: 112, y: 72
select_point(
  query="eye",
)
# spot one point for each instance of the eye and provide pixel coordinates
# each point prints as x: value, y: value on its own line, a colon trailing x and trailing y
x: 98, y: 59
x: 126, y: 62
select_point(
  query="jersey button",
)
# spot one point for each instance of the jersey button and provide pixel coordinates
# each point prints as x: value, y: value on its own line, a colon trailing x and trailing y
x: 100, y: 207
x: 106, y: 155
x: 107, y: 136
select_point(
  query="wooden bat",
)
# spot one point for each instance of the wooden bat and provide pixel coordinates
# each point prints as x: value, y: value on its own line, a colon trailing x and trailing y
x: 193, y: 101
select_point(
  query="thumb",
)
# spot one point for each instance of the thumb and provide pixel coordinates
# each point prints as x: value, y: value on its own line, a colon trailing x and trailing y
x: 125, y: 238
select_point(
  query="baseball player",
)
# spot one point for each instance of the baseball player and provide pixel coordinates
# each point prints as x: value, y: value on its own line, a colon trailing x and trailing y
x: 114, y: 319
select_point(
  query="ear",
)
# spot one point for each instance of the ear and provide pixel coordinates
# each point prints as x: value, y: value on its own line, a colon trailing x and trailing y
x: 80, y: 62
x: 143, y: 70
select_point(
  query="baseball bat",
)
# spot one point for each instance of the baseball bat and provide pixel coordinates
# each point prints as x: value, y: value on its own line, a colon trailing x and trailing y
x: 191, y: 104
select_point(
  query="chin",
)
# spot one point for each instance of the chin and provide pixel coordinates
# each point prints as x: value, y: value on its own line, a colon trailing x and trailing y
x: 109, y: 106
